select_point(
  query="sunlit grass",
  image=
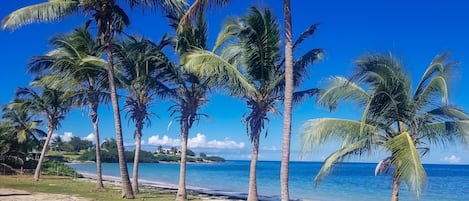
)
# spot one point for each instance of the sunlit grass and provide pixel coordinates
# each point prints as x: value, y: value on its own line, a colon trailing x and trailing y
x: 79, y: 187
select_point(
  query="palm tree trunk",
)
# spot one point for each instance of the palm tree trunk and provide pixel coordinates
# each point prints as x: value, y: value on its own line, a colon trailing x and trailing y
x: 395, y: 187
x: 99, y: 176
x: 181, y: 194
x: 37, y: 173
x: 138, y: 139
x: 287, y: 115
x: 252, y: 192
x: 125, y: 182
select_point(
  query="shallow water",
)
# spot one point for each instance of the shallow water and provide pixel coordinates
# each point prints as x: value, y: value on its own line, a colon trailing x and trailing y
x: 348, y: 181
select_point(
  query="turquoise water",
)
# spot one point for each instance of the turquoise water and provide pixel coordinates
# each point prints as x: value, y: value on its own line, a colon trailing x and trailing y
x: 348, y: 181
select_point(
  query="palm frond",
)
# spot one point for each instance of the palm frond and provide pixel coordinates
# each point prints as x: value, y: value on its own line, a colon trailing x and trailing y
x: 341, y: 89
x: 306, y: 34
x: 198, y: 8
x: 406, y: 161
x: 300, y: 96
x: 317, y: 131
x: 443, y: 132
x: 41, y: 12
x: 301, y: 65
x: 207, y: 64
x: 336, y: 157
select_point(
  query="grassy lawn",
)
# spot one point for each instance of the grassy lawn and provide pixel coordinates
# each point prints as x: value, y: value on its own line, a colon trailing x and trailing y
x: 78, y: 187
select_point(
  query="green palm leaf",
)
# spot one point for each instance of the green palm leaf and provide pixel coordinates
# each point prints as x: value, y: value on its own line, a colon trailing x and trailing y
x: 406, y: 161
x: 42, y: 12
x: 341, y: 89
x: 218, y: 70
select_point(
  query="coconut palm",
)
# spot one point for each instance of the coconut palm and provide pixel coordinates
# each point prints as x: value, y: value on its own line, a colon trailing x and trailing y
x: 25, y: 129
x: 53, y: 104
x: 76, y: 62
x: 139, y: 63
x: 251, y: 68
x: 187, y: 90
x: 394, y: 119
x: 110, y: 19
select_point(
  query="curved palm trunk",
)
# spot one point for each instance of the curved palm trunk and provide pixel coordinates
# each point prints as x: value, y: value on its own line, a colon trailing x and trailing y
x: 287, y: 115
x: 125, y: 182
x: 395, y: 187
x: 252, y: 192
x: 181, y: 194
x: 138, y: 139
x: 37, y: 173
x: 94, y: 120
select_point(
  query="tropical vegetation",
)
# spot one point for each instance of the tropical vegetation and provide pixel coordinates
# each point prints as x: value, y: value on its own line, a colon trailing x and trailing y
x: 261, y: 79
x: 99, y: 63
x: 397, y: 119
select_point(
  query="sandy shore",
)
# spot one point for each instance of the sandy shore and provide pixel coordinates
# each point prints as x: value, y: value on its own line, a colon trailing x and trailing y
x: 8, y: 194
x: 203, y: 194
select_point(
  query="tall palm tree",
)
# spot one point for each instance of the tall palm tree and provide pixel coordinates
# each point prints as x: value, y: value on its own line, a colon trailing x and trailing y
x: 188, y: 90
x: 53, y: 104
x: 139, y: 63
x: 110, y: 19
x: 76, y: 62
x: 251, y: 68
x: 394, y: 118
x: 287, y: 108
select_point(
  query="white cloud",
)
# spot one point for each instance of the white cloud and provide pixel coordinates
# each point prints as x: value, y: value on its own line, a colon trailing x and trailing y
x: 272, y: 148
x: 164, y: 141
x: 452, y: 159
x: 66, y: 136
x: 90, y: 137
x: 199, y: 141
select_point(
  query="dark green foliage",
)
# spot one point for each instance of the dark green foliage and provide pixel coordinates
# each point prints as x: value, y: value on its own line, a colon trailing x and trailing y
x: 190, y: 153
x: 57, y: 168
x: 215, y: 159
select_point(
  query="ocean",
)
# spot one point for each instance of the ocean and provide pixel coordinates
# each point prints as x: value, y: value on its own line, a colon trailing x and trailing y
x: 348, y: 181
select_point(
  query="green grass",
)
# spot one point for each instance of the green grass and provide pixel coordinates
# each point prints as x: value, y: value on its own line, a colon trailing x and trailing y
x: 79, y: 187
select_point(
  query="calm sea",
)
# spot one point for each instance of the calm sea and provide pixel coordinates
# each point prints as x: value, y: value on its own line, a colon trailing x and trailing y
x: 348, y: 181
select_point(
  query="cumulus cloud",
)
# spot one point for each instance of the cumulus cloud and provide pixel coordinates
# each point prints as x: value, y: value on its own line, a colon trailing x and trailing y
x: 199, y: 141
x: 164, y: 141
x: 65, y: 137
x: 90, y: 137
x: 452, y: 159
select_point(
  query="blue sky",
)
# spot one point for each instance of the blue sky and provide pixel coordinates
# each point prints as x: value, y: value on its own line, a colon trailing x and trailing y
x: 414, y: 31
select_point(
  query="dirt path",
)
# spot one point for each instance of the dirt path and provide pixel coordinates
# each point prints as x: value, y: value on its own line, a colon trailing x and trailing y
x: 8, y: 194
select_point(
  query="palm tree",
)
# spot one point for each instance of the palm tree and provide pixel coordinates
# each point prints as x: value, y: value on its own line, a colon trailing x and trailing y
x: 76, y: 62
x: 25, y: 129
x: 139, y: 62
x: 260, y: 79
x: 110, y: 19
x: 53, y: 104
x: 187, y: 90
x: 393, y: 119
x: 287, y: 109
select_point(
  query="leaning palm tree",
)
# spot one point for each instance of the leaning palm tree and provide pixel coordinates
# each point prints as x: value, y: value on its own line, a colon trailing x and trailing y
x: 394, y: 118
x: 110, y: 19
x: 53, y: 104
x: 76, y: 62
x: 251, y: 68
x: 139, y: 63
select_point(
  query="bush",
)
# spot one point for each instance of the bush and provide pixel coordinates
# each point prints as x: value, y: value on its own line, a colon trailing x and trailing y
x: 57, y: 168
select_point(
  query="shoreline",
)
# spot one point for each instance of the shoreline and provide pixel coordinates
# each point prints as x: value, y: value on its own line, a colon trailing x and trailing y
x: 209, y: 194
